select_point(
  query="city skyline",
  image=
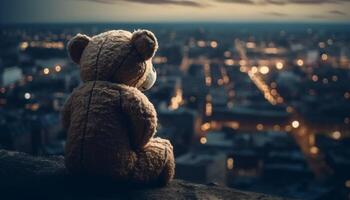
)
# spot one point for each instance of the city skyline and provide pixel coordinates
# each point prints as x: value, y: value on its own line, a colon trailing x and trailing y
x: 51, y: 11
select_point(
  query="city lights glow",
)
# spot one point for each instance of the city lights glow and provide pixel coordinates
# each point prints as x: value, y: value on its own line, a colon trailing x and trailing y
x: 336, y: 135
x: 203, y: 140
x: 46, y: 71
x: 229, y: 62
x: 201, y: 43
x: 213, y: 44
x: 177, y: 99
x: 27, y: 95
x: 295, y: 124
x: 23, y: 45
x: 254, y: 69
x: 264, y: 69
x: 251, y: 45
x: 300, y: 62
x: 229, y: 163
x: 314, y: 150
x: 259, y: 127
x: 279, y: 65
x: 58, y: 68
x: 324, y: 57
x: 205, y: 126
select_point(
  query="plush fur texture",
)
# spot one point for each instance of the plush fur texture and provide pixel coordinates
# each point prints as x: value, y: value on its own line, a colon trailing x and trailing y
x: 111, y: 124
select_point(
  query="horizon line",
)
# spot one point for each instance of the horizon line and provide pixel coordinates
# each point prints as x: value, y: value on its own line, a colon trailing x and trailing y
x: 178, y: 22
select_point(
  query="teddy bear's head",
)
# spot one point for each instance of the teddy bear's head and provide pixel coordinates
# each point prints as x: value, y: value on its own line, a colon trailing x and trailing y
x: 117, y: 56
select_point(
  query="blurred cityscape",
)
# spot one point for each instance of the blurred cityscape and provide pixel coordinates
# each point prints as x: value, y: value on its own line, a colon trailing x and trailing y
x: 259, y: 107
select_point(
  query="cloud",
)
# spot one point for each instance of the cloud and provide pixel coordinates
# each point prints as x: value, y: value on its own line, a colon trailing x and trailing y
x: 337, y: 12
x: 199, y: 3
x: 238, y: 1
x: 284, y: 2
x: 276, y: 14
x: 189, y: 3
x: 317, y: 16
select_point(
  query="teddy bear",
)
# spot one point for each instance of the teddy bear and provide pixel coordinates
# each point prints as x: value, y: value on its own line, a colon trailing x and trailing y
x: 110, y: 123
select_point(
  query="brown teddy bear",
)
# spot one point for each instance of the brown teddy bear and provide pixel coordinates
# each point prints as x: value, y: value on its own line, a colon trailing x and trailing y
x: 111, y: 124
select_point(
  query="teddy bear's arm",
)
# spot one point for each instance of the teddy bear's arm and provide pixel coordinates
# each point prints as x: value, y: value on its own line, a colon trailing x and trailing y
x: 66, y: 112
x: 142, y: 117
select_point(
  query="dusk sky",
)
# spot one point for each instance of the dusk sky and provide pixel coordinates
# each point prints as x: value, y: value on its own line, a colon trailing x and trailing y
x: 39, y: 11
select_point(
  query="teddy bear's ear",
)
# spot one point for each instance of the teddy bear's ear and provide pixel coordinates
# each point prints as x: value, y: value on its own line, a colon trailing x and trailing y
x: 145, y: 43
x: 76, y: 46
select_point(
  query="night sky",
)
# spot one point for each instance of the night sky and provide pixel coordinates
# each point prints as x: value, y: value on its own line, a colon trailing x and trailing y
x: 42, y: 11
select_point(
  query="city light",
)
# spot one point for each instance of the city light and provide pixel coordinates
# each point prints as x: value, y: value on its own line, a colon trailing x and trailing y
x: 254, y: 70
x: 271, y: 50
x: 234, y: 125
x: 58, y: 68
x: 23, y: 45
x: 213, y: 44
x: 208, y: 105
x: 27, y: 95
x: 250, y: 45
x: 41, y: 44
x: 229, y: 163
x: 203, y: 140
x: 160, y: 60
x: 295, y: 124
x: 264, y: 69
x: 300, y: 62
x: 324, y: 57
x: 205, y: 126
x: 314, y: 78
x: 259, y: 127
x: 46, y: 71
x: 229, y: 62
x: 208, y: 109
x: 201, y: 43
x: 279, y: 65
x: 314, y: 150
x: 176, y: 100
x: 336, y: 135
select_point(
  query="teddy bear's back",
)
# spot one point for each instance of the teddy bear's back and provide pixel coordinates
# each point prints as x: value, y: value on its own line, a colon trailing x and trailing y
x: 98, y: 140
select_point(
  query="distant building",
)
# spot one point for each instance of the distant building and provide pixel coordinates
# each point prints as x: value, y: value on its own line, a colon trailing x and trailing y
x: 178, y: 126
x: 202, y: 167
x: 10, y: 75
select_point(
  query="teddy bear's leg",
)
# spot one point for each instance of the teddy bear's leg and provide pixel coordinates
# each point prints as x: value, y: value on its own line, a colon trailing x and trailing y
x: 155, y: 163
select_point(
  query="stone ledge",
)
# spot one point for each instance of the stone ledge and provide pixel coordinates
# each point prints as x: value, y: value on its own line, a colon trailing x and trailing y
x: 25, y: 176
